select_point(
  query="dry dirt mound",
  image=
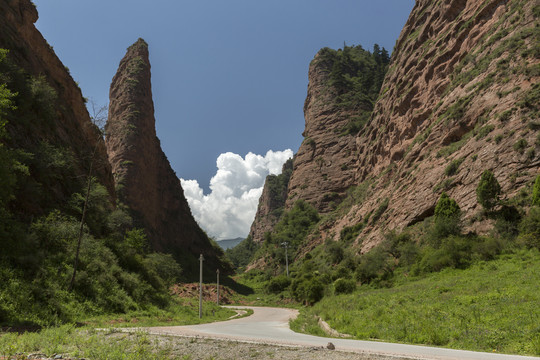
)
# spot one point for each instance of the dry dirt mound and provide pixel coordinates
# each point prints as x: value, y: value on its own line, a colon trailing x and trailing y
x: 191, y: 290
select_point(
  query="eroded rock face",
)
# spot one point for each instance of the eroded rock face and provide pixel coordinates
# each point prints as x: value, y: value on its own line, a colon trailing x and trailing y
x: 69, y: 127
x: 459, y: 90
x: 324, y: 166
x: 144, y: 179
x: 271, y: 203
x: 461, y: 96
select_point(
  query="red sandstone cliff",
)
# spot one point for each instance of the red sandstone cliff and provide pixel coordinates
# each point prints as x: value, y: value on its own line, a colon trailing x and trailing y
x: 461, y: 96
x: 271, y: 203
x: 459, y: 90
x: 145, y: 181
x: 68, y: 128
x: 324, y: 166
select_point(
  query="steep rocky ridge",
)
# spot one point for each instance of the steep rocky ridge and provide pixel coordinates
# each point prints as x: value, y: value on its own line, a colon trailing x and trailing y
x: 461, y: 96
x: 66, y: 127
x: 144, y: 179
x: 458, y: 95
x: 271, y: 203
x: 324, y: 166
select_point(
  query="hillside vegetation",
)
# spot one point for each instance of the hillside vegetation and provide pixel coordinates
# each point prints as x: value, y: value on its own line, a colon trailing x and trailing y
x: 116, y: 272
x: 431, y: 284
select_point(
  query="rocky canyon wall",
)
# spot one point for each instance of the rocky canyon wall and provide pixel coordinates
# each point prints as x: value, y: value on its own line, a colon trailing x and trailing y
x: 55, y: 130
x: 461, y: 96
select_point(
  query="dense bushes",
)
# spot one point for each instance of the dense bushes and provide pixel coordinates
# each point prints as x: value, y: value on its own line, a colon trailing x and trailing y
x: 307, y: 289
x: 344, y: 286
x: 278, y: 284
x: 293, y: 227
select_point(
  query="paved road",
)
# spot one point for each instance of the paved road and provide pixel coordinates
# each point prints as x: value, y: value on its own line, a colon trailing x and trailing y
x: 271, y: 326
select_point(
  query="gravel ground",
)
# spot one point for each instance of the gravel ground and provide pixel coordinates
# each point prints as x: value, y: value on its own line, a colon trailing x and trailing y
x: 200, y: 348
x: 212, y: 349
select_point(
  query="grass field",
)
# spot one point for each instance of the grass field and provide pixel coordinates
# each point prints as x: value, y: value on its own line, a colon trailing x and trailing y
x: 491, y: 306
x: 83, y: 341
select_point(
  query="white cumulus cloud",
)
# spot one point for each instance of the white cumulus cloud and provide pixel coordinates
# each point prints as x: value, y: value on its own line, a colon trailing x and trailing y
x: 229, y: 209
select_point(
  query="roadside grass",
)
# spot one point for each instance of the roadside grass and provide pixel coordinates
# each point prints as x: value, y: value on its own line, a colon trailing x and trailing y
x: 492, y: 306
x: 82, y: 340
x: 180, y: 312
x: 86, y: 343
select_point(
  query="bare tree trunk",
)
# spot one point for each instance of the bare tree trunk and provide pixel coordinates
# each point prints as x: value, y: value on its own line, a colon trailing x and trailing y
x: 98, y: 118
x: 81, y: 227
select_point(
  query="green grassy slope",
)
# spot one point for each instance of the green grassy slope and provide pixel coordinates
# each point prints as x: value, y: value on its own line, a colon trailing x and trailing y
x: 491, y: 306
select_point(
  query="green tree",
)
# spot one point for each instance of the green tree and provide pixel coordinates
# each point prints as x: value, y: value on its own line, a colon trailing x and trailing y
x: 308, y: 289
x: 447, y: 220
x: 488, y: 190
x: 447, y: 207
x: 7, y: 176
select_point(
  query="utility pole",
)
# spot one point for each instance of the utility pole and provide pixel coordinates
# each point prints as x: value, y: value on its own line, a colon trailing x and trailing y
x: 286, y: 245
x: 201, y: 259
x: 217, y: 299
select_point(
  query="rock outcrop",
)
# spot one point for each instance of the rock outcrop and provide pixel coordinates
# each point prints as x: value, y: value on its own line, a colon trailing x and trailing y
x: 144, y: 179
x: 325, y: 164
x: 271, y: 203
x: 67, y: 127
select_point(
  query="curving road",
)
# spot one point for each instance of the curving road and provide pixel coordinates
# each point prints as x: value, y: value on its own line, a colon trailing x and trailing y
x: 271, y: 326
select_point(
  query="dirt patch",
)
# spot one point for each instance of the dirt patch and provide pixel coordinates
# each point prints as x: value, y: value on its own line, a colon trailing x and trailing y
x: 191, y: 291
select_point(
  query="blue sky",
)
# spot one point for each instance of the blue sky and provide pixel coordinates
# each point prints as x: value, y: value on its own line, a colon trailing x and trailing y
x: 227, y: 76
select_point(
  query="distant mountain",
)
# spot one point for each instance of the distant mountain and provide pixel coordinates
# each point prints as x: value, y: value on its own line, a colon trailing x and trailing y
x: 229, y: 243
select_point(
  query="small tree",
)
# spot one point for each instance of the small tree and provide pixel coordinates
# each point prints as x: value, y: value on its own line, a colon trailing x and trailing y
x: 447, y: 221
x: 488, y: 190
x: 447, y: 207
x: 98, y: 117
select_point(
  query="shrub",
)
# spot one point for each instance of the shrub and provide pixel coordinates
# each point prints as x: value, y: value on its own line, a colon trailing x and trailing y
x: 453, y: 167
x: 374, y: 264
x: 488, y: 190
x: 278, y: 284
x: 349, y: 233
x: 529, y: 228
x: 520, y: 146
x: 508, y: 218
x: 335, y: 252
x: 308, y: 290
x: 441, y: 228
x: 164, y: 266
x: 380, y: 210
x: 344, y: 286
x: 536, y: 192
x: 454, y: 251
x: 342, y: 271
x: 447, y: 207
